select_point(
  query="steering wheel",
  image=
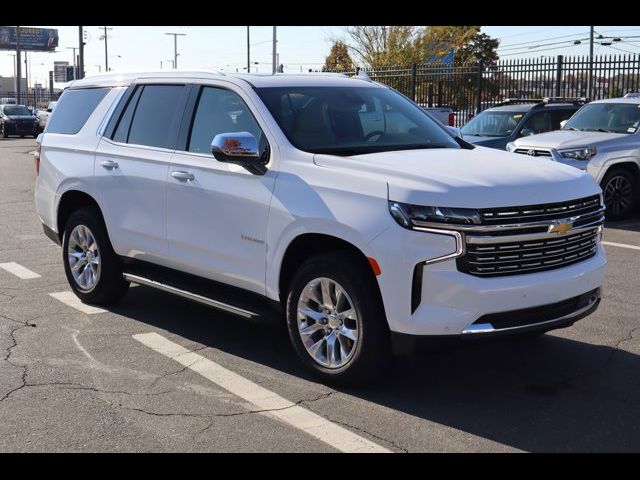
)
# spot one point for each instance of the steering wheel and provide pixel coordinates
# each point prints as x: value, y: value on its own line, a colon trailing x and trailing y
x: 373, y: 134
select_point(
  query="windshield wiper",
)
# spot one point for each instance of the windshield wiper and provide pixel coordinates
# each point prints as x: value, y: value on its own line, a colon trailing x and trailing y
x: 571, y: 128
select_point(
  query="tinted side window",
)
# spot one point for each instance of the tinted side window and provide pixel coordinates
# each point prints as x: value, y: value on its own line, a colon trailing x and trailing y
x: 73, y: 110
x: 155, y: 114
x: 539, y: 123
x: 122, y: 131
x: 561, y: 115
x: 220, y: 111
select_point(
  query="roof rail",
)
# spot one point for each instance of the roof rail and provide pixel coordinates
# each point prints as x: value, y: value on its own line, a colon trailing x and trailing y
x: 540, y: 102
x: 573, y: 100
x: 514, y: 101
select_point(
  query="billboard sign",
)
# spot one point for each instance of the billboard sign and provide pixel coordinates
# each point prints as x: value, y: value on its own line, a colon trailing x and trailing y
x: 31, y: 39
x: 60, y: 71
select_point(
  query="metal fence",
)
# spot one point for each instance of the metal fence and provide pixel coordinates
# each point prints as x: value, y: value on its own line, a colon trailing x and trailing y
x: 38, y: 99
x: 469, y: 89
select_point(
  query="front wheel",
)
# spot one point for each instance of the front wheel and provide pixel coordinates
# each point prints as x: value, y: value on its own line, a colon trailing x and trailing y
x: 336, y: 320
x: 92, y: 267
x: 3, y: 130
x: 620, y: 192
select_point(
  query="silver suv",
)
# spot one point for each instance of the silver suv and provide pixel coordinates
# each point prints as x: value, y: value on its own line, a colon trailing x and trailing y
x: 603, y: 138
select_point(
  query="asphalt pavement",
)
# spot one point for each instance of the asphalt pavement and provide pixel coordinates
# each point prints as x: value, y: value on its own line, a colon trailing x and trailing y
x: 73, y: 379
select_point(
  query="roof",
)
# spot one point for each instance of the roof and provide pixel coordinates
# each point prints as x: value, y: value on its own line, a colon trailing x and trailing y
x: 257, y: 80
x: 525, y: 107
x: 634, y: 100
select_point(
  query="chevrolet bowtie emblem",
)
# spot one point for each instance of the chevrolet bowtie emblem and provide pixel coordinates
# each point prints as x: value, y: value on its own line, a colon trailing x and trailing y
x: 560, y: 227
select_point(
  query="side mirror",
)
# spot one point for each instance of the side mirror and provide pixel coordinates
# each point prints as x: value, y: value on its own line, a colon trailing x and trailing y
x: 49, y: 110
x: 240, y: 148
x: 454, y: 131
x: 563, y: 123
x: 525, y: 132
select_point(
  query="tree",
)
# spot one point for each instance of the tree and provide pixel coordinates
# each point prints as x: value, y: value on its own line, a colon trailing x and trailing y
x: 338, y: 58
x: 378, y: 46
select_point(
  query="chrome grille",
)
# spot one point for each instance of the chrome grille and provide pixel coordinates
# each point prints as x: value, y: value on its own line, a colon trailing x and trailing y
x: 536, y: 152
x: 541, y: 213
x: 527, y: 256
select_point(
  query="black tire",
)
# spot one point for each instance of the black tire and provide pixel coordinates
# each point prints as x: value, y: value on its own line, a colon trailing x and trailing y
x: 371, y: 352
x: 621, y: 192
x: 3, y: 131
x: 110, y: 285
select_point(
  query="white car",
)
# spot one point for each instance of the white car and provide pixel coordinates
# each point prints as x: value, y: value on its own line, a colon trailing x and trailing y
x: 43, y: 115
x: 603, y: 138
x: 334, y: 200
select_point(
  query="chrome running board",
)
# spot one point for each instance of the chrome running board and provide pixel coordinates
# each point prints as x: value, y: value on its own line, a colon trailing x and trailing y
x: 189, y: 295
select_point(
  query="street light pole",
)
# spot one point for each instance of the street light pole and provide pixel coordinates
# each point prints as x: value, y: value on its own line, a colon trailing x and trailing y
x: 248, y: 52
x: 18, y: 66
x: 14, y: 72
x: 175, y: 47
x: 274, y: 60
x: 80, y: 53
x: 590, y: 81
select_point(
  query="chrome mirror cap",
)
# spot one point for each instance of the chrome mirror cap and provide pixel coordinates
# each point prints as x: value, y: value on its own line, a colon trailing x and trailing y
x: 238, y: 145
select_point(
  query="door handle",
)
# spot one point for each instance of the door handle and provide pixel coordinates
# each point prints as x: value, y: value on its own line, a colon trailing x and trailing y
x: 109, y: 164
x: 182, y: 175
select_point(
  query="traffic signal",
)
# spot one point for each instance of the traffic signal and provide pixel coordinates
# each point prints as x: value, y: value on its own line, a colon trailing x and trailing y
x: 70, y: 73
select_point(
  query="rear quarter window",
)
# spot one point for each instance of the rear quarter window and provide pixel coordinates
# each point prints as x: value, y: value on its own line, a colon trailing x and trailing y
x: 74, y: 109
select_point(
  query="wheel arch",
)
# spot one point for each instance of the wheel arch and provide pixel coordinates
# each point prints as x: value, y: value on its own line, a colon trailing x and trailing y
x: 308, y: 244
x: 70, y: 201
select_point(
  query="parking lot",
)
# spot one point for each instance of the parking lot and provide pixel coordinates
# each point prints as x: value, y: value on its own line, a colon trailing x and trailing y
x: 74, y: 378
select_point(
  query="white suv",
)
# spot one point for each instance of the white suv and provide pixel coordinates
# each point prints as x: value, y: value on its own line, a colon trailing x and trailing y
x: 603, y: 138
x: 334, y: 200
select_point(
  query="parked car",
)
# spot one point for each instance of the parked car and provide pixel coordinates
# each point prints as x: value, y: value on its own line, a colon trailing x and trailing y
x: 603, y: 139
x: 335, y: 201
x: 43, y: 115
x: 443, y: 114
x: 515, y: 118
x: 17, y: 120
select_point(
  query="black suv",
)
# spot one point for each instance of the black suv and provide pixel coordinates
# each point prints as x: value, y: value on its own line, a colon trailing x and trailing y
x: 17, y: 120
x: 515, y: 118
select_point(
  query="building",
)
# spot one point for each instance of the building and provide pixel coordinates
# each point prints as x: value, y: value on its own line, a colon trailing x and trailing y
x: 7, y: 84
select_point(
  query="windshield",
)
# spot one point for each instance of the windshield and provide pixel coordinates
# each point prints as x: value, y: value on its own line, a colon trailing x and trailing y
x: 493, y: 124
x: 606, y: 117
x: 16, y: 111
x: 352, y: 120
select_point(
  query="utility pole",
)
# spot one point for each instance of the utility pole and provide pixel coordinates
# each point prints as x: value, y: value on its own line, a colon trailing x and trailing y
x: 18, y: 65
x: 14, y: 71
x: 590, y: 81
x: 175, y: 47
x: 75, y: 66
x: 26, y: 74
x: 80, y: 52
x: 274, y: 60
x: 248, y: 52
x: 106, y: 50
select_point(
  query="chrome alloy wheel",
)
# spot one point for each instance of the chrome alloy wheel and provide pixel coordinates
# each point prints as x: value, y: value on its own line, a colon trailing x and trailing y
x: 327, y: 322
x: 84, y: 257
x: 618, y: 194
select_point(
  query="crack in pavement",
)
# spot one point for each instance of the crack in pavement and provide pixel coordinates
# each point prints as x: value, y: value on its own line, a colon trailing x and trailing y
x: 304, y: 401
x: 161, y: 377
x: 377, y: 437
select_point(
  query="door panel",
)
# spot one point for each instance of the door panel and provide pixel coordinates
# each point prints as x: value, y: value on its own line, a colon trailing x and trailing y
x: 134, y: 198
x: 217, y: 213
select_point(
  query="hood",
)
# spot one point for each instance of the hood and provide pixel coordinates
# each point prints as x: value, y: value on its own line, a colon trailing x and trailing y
x: 481, y: 178
x: 561, y: 139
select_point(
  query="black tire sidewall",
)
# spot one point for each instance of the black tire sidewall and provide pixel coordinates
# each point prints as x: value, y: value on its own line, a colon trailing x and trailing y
x: 634, y: 196
x: 111, y: 285
x: 372, y: 350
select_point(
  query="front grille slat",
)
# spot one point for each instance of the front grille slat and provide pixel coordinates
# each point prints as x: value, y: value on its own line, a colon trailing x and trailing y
x: 492, y: 256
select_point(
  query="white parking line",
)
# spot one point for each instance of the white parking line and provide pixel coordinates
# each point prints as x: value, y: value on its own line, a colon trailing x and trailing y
x: 621, y: 245
x: 18, y: 270
x: 69, y: 298
x: 273, y: 404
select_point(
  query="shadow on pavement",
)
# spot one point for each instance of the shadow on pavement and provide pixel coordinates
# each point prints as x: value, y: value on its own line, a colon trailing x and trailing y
x: 631, y: 224
x: 542, y: 394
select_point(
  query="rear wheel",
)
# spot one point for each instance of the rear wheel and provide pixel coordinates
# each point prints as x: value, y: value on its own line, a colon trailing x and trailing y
x: 620, y: 191
x: 336, y: 321
x: 92, y: 267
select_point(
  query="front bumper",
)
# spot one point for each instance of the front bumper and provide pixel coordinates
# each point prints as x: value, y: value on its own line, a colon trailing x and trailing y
x: 14, y: 128
x: 451, y: 301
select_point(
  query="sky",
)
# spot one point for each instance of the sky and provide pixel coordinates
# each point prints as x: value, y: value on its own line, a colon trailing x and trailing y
x: 300, y: 47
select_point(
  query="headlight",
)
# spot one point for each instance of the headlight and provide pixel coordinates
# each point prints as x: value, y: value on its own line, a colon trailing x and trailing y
x: 511, y: 147
x: 579, y: 153
x: 407, y: 215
